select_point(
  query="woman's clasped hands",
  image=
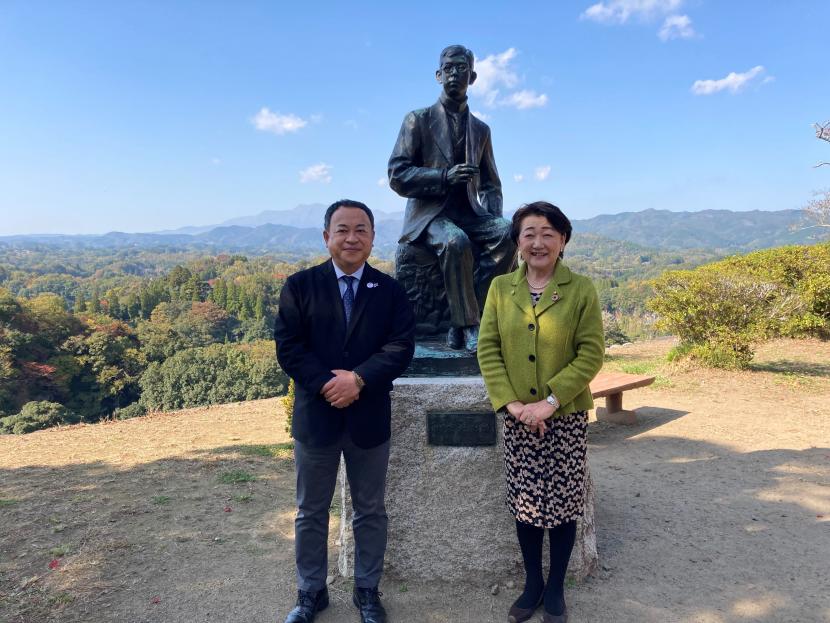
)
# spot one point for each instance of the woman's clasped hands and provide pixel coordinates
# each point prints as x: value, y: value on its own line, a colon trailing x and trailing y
x: 532, y: 414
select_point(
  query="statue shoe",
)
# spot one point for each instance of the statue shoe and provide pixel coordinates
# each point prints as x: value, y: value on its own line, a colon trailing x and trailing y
x: 309, y: 603
x: 555, y: 618
x: 519, y: 615
x: 367, y: 601
x: 455, y: 338
x: 471, y: 338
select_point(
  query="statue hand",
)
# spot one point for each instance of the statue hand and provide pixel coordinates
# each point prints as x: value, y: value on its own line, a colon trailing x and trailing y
x: 461, y: 173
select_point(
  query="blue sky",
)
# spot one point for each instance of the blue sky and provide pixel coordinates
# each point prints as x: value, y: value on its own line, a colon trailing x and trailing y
x: 140, y: 116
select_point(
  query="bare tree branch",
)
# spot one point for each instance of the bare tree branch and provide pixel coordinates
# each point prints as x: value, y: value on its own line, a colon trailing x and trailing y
x: 821, y: 164
x: 818, y: 209
x: 823, y: 130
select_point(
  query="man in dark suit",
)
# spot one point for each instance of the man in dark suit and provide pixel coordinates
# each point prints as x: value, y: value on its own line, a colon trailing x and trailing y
x: 344, y: 332
x: 443, y: 163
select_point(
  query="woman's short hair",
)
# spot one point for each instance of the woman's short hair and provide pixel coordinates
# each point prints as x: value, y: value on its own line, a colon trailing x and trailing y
x: 550, y: 212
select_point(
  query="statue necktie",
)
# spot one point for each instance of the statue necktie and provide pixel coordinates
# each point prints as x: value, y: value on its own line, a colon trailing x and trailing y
x: 348, y: 297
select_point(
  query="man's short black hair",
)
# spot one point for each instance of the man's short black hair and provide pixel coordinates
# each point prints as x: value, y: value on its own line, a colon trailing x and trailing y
x: 550, y: 212
x: 347, y: 203
x: 452, y: 50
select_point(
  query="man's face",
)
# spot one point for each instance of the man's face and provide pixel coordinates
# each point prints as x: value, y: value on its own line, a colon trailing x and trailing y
x: 349, y: 238
x: 455, y: 74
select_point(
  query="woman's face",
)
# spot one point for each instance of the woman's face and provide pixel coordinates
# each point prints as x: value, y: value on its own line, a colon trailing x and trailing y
x: 539, y: 243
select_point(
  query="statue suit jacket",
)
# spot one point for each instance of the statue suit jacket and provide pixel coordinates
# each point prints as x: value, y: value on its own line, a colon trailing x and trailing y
x: 419, y: 162
x: 312, y: 340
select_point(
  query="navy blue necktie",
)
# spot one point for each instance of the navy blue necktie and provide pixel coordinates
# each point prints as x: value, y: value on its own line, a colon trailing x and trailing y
x: 348, y: 297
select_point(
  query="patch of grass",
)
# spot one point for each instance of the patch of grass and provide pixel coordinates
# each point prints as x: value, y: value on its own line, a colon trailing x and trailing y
x: 60, y: 550
x: 244, y: 498
x: 570, y: 582
x: 639, y: 367
x: 5, y: 503
x: 160, y: 500
x: 403, y: 588
x: 269, y: 451
x: 661, y: 381
x: 236, y: 476
x: 61, y: 599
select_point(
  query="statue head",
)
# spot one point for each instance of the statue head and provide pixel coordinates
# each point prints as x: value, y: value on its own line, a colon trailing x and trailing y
x: 455, y: 71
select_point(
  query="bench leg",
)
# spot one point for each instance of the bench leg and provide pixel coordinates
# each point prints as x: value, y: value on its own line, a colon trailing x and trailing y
x: 614, y: 413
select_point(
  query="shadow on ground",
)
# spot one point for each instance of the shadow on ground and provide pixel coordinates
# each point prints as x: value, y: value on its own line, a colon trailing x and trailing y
x: 688, y: 531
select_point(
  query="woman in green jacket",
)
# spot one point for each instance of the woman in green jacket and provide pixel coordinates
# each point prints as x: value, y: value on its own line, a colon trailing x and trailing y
x: 540, y: 344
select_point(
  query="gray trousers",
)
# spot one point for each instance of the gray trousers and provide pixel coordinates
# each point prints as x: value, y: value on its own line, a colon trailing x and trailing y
x: 316, y: 478
x: 466, y: 281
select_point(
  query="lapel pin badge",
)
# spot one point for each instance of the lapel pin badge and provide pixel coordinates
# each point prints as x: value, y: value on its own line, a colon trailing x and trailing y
x: 555, y: 297
x: 372, y: 284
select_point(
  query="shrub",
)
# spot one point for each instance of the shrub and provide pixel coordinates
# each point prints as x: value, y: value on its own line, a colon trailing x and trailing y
x: 720, y: 311
x: 214, y: 374
x: 37, y: 415
x: 136, y: 409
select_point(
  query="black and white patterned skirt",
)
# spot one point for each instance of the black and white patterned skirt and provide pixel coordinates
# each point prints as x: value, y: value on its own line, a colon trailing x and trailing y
x: 546, y: 475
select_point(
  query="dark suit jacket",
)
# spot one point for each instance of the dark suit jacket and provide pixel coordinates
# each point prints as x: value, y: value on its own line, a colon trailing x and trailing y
x: 312, y: 340
x: 420, y: 159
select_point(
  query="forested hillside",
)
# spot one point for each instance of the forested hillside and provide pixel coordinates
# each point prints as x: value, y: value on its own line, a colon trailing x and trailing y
x: 89, y: 333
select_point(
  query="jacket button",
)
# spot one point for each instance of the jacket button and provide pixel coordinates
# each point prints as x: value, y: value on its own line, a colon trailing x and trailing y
x: 533, y: 390
x: 531, y: 326
x: 531, y: 357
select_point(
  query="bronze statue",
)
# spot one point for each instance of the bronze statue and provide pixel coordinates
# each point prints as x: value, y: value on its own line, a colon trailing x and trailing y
x: 453, y: 229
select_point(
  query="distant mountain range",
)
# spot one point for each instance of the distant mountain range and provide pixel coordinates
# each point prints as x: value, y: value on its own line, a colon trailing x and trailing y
x: 297, y: 232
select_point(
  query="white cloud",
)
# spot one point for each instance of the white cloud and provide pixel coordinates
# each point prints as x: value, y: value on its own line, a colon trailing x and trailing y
x: 518, y: 177
x: 734, y: 82
x: 541, y: 173
x: 320, y: 172
x: 276, y: 123
x: 215, y: 162
x: 382, y: 181
x: 480, y: 115
x: 525, y: 99
x: 494, y: 71
x: 620, y: 11
x: 676, y: 27
x: 497, y: 74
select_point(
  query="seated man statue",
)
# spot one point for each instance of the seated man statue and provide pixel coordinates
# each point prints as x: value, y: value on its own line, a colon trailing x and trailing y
x: 443, y: 163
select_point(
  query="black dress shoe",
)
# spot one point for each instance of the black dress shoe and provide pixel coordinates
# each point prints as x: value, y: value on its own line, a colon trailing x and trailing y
x: 367, y: 601
x: 309, y: 603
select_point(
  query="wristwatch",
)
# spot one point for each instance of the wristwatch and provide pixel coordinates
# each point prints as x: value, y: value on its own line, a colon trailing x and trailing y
x: 552, y: 401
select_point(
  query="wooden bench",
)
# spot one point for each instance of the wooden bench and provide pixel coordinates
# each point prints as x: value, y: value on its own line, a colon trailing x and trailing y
x: 611, y: 385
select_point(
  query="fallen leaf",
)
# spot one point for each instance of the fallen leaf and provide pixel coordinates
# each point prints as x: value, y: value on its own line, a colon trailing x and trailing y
x: 54, y: 564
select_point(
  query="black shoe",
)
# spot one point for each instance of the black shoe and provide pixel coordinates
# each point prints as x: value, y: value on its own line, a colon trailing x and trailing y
x: 309, y: 603
x: 367, y: 600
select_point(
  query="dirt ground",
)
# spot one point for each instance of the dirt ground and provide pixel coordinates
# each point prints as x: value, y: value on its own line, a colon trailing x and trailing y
x: 714, y: 508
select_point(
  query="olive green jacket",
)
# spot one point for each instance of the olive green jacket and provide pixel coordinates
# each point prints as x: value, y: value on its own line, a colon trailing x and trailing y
x: 526, y: 353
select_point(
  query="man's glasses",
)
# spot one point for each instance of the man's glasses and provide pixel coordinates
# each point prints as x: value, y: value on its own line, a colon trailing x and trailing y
x: 459, y: 68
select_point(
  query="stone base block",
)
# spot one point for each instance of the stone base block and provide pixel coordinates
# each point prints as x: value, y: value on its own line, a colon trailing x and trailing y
x: 447, y: 515
x: 617, y: 417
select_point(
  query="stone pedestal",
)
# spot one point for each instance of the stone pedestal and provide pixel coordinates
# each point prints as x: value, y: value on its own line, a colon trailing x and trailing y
x: 448, y: 520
